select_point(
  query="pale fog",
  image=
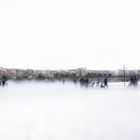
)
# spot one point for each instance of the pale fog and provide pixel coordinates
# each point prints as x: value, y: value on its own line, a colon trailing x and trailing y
x: 67, y: 111
x: 68, y: 34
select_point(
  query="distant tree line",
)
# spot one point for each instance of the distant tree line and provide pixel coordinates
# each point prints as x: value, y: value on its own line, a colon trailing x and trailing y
x: 75, y: 74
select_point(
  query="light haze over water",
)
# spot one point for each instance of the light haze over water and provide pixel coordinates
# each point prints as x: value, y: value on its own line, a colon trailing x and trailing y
x: 62, y: 34
x: 56, y: 111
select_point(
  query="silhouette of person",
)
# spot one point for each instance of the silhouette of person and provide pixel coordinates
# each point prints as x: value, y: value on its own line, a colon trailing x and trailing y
x: 86, y: 81
x: 75, y: 81
x: 98, y: 82
x: 135, y: 81
x: 106, y: 82
x: 102, y: 85
x: 3, y: 83
x: 131, y: 81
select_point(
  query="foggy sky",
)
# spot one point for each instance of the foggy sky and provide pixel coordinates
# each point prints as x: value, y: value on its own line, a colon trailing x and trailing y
x: 62, y: 34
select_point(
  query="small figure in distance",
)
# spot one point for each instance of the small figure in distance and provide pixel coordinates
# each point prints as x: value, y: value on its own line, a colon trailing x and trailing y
x: 93, y: 83
x: 98, y: 82
x: 106, y: 82
x: 135, y: 81
x: 75, y: 81
x: 4, y: 79
x: 63, y: 80
x: 86, y: 82
x: 102, y: 85
x: 82, y: 81
x: 131, y: 81
x: 3, y: 83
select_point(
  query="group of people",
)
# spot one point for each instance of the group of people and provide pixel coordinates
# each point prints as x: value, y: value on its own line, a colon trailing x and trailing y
x: 133, y: 81
x: 102, y: 84
x: 84, y: 81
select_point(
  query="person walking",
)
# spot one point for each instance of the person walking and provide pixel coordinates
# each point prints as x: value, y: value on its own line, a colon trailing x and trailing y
x: 106, y: 82
x: 98, y: 82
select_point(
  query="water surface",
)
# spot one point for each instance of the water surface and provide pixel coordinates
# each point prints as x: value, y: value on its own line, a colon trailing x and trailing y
x: 56, y: 111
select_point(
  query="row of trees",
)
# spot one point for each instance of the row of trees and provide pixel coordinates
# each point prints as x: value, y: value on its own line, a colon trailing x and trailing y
x: 76, y: 74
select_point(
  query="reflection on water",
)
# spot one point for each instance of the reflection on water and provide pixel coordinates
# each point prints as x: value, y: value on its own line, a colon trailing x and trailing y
x: 57, y: 111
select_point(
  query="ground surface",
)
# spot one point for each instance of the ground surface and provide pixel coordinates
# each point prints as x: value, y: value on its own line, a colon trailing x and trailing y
x: 56, y: 111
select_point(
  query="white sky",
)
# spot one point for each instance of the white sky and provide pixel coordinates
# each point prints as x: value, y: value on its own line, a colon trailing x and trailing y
x: 62, y: 34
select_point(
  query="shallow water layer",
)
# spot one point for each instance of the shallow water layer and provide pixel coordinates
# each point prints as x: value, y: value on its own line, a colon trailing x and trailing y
x: 56, y: 111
